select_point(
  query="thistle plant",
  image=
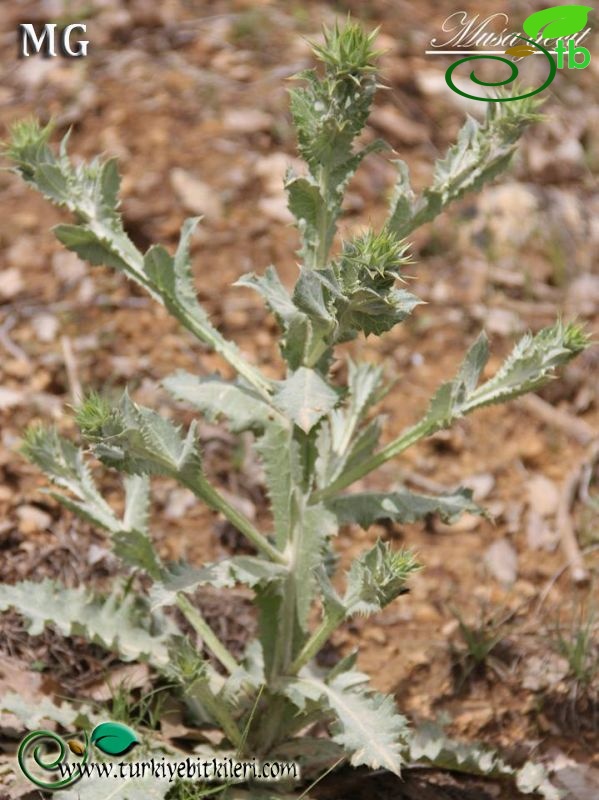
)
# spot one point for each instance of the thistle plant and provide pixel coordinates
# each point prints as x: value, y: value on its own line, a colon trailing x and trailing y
x: 314, y: 438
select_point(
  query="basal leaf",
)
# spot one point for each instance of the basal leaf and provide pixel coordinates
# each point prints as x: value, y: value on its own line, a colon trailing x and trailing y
x: 116, y: 622
x: 367, y: 725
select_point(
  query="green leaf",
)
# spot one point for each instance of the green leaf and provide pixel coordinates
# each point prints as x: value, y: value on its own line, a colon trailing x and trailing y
x: 137, y: 503
x: 294, y: 323
x: 137, y: 440
x: 377, y: 578
x: 531, y: 364
x: 116, y: 622
x: 317, y: 525
x: 33, y: 714
x: 65, y: 465
x: 89, y: 192
x: 214, y: 397
x: 401, y: 506
x: 428, y: 744
x: 136, y: 550
x: 279, y: 452
x: 305, y: 398
x: 114, y: 738
x: 340, y: 443
x: 482, y: 152
x: 556, y: 21
x: 181, y: 577
x: 367, y: 725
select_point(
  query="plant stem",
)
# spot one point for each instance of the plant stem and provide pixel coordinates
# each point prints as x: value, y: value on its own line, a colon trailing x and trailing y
x: 215, y: 500
x: 218, y: 711
x: 211, y: 640
x: 394, y: 448
x: 315, y: 643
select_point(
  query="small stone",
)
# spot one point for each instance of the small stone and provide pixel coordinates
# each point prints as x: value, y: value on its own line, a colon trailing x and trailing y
x: 11, y: 283
x: 45, y: 327
x: 481, y: 485
x: 275, y: 208
x: 247, y: 120
x: 502, y: 561
x: 543, y: 495
x: 196, y: 196
x: 32, y: 519
x: 9, y: 398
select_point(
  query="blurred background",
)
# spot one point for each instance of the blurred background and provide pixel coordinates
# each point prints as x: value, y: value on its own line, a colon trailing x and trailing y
x: 192, y: 98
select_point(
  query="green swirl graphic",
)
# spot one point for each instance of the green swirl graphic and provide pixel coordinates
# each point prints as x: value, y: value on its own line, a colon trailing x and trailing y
x: 36, y: 737
x: 512, y: 77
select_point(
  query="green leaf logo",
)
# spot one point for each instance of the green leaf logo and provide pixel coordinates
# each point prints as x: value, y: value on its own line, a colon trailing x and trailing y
x: 557, y: 21
x: 114, y: 738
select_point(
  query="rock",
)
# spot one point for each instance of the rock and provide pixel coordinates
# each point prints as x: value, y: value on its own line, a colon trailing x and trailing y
x: 178, y: 504
x: 502, y: 561
x: 10, y: 397
x: 467, y: 522
x: 196, y: 196
x: 541, y: 672
x: 510, y: 214
x: 502, y: 322
x: 481, y: 485
x: 275, y: 208
x: 25, y: 253
x: 390, y: 121
x: 583, y: 296
x: 247, y: 120
x: 11, y: 283
x: 68, y: 267
x: 543, y: 495
x: 272, y: 169
x: 32, y: 519
x: 539, y: 535
x: 45, y: 327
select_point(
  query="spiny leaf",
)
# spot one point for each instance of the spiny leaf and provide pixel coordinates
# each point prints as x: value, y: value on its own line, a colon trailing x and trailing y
x: 139, y: 441
x: 377, y: 578
x: 367, y: 724
x: 64, y: 464
x: 305, y: 398
x: 481, y: 152
x: 340, y: 443
x: 181, y: 577
x: 429, y: 744
x: 531, y: 364
x: 402, y: 506
x: 214, y: 397
x: 279, y: 452
x: 32, y: 714
x: 116, y: 622
x: 90, y: 193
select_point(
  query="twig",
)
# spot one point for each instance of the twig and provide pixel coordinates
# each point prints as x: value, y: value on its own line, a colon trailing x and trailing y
x: 577, y: 428
x: 71, y: 368
x: 7, y: 343
x: 569, y: 542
